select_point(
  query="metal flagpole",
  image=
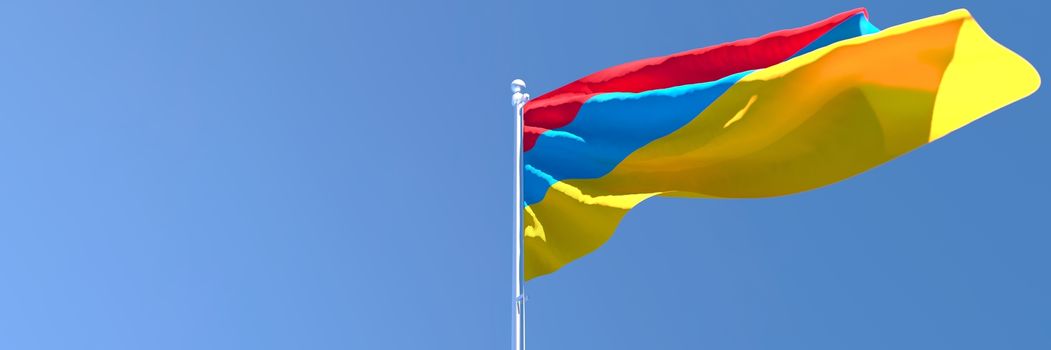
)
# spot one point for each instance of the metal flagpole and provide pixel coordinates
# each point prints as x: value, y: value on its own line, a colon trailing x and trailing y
x: 518, y: 99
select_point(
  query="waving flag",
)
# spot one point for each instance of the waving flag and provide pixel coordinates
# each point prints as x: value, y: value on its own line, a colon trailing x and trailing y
x: 783, y: 113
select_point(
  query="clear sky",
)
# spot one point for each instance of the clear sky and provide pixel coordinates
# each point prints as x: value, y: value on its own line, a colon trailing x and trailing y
x: 337, y: 175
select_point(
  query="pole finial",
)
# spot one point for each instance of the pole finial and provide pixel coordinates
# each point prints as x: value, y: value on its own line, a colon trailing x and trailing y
x: 517, y: 85
x: 520, y: 97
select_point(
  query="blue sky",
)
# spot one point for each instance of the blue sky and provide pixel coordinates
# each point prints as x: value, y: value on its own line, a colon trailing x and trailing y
x: 337, y: 175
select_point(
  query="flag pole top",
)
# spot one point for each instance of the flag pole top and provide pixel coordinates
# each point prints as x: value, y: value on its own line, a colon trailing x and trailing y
x: 517, y: 85
x: 519, y: 98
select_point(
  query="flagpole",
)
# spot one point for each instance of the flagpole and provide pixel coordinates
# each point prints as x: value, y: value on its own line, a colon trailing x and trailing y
x: 518, y: 99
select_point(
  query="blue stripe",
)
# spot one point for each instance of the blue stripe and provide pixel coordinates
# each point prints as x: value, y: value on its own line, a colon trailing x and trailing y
x: 610, y: 126
x: 855, y: 26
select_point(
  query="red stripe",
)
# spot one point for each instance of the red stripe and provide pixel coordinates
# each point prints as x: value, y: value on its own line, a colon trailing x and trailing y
x: 557, y: 108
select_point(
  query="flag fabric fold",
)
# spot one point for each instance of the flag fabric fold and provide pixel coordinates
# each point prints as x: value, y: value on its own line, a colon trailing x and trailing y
x: 783, y: 113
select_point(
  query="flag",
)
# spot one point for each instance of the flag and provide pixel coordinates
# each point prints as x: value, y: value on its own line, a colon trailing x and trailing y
x: 779, y: 114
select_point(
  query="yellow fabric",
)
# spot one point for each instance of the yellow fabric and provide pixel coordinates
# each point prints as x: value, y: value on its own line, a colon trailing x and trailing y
x: 980, y: 65
x: 805, y: 123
